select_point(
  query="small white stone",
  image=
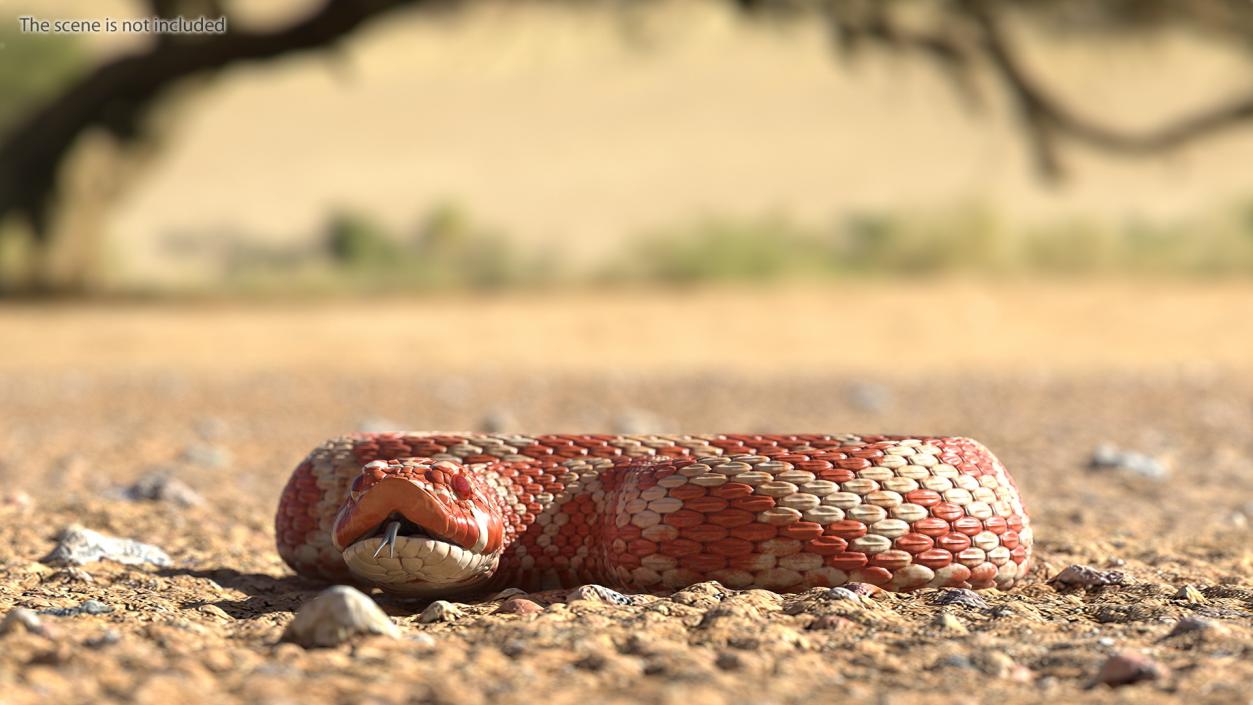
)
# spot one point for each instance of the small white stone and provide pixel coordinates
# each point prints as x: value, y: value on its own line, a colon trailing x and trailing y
x: 336, y: 615
x: 440, y: 611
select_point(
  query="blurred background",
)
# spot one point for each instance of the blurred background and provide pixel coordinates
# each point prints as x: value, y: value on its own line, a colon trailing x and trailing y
x: 1030, y: 222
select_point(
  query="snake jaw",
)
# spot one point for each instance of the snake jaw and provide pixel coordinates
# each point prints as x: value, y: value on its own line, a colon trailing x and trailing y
x: 412, y: 530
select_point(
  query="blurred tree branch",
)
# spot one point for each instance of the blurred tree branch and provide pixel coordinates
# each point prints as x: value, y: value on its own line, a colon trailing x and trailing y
x: 117, y: 96
x: 964, y: 38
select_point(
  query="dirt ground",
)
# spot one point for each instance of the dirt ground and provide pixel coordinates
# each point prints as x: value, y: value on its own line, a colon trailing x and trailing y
x: 227, y: 398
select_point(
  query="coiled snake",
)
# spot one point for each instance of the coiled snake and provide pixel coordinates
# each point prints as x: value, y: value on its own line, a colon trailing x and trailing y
x: 437, y: 514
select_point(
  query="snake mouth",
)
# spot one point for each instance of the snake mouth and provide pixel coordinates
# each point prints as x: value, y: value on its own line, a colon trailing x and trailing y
x: 399, y: 537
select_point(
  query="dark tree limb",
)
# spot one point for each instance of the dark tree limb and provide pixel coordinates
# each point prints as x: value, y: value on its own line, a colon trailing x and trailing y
x: 1048, y: 119
x: 118, y: 95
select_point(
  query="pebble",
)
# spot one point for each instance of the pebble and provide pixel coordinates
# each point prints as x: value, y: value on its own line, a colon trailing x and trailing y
x: 636, y: 422
x: 22, y: 619
x: 85, y: 607
x: 78, y: 545
x: 506, y: 594
x: 842, y: 593
x: 962, y: 598
x: 954, y: 661
x: 948, y: 623
x: 215, y: 611
x: 1086, y: 577
x: 498, y: 421
x: 1127, y: 667
x: 869, y: 397
x: 18, y: 500
x: 336, y: 615
x: 210, y: 427
x: 1107, y: 456
x: 1196, y: 625
x: 598, y: 593
x: 864, y: 589
x: 830, y: 622
x: 440, y: 611
x: 729, y: 661
x: 1191, y: 595
x: 109, y: 637
x: 378, y: 424
x: 422, y: 639
x: 519, y: 605
x: 705, y: 594
x: 160, y: 486
x: 207, y: 455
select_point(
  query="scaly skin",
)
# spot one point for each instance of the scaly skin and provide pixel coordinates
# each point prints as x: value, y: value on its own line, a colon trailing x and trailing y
x: 655, y: 513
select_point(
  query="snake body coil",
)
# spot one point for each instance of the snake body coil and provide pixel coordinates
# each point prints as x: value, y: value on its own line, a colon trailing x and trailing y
x: 439, y: 514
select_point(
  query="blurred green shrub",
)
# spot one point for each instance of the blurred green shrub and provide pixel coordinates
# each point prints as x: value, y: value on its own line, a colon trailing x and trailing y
x: 721, y: 250
x: 354, y: 240
x: 450, y: 251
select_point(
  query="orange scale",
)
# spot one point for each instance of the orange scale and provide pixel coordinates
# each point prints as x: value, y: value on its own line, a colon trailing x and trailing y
x: 730, y: 547
x: 826, y: 545
x: 1018, y: 555
x: 853, y: 463
x: 923, y: 498
x: 931, y: 526
x: 873, y: 575
x: 934, y: 558
x: 1014, y: 522
x: 731, y: 490
x: 968, y: 525
x: 914, y: 542
x: 627, y: 560
x: 983, y: 575
x: 730, y: 518
x: 754, y: 504
x: 947, y: 511
x: 847, y: 529
x: 680, y: 547
x: 703, y: 533
x: 802, y: 530
x: 755, y: 532
x: 891, y: 559
x: 836, y: 475
x: 814, y: 466
x: 953, y: 542
x: 706, y: 505
x: 996, y: 525
x: 684, y: 518
x: 628, y: 532
x: 641, y: 547
x: 847, y: 560
x: 1009, y: 539
x: 705, y: 562
x: 686, y: 492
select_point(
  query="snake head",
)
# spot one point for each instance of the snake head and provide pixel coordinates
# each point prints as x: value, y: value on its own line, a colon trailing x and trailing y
x: 419, y: 527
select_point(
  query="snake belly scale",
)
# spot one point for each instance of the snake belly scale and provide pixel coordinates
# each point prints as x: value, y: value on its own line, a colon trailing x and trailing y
x: 438, y: 514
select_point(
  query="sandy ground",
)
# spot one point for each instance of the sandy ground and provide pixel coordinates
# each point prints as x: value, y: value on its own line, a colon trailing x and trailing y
x: 93, y: 398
